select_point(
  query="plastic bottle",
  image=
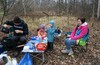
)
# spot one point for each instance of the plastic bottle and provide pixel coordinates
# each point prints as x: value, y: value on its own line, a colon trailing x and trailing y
x: 34, y: 48
x: 45, y: 40
x: 5, y: 52
x: 1, y: 48
x: 39, y: 39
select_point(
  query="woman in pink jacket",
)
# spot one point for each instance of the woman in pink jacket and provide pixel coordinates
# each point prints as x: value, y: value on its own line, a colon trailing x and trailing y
x: 80, y: 32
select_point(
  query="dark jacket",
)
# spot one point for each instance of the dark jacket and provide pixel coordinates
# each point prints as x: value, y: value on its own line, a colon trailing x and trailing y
x: 22, y: 26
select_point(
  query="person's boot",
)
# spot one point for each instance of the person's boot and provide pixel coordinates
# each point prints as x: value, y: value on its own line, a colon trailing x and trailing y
x: 70, y: 52
x: 51, y: 47
x: 48, y: 48
x: 65, y: 51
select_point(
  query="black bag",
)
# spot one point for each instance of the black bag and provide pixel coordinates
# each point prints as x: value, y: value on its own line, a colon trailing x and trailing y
x: 4, y: 30
x: 58, y: 31
x: 7, y: 44
x: 5, y: 41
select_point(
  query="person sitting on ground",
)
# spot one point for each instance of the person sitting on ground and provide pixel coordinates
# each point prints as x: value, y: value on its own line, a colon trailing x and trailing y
x: 20, y: 30
x: 80, y: 32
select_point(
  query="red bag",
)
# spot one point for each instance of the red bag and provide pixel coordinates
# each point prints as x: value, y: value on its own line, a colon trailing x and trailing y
x: 41, y: 47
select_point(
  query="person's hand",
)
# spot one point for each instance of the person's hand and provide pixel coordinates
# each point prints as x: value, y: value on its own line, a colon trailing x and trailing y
x: 18, y: 31
x: 5, y: 25
x: 69, y: 38
x: 50, y: 25
x: 77, y: 41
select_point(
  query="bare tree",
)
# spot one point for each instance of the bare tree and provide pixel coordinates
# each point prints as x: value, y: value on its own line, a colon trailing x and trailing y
x: 93, y: 9
x: 6, y: 6
x: 24, y: 7
x: 98, y: 9
x: 85, y: 8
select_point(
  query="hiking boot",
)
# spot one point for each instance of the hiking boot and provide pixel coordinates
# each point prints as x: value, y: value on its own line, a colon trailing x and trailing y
x: 70, y: 52
x: 65, y: 51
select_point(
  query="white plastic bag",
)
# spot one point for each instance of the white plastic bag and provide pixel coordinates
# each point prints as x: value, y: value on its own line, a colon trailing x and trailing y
x: 9, y: 60
x: 14, y: 61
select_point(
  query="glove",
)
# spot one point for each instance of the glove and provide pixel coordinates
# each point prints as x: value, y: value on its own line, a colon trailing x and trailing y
x: 77, y: 41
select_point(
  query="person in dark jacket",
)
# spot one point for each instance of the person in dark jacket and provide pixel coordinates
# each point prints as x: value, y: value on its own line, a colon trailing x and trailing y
x: 20, y: 30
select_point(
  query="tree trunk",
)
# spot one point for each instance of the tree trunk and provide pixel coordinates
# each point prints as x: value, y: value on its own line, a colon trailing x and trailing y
x: 93, y: 9
x: 24, y: 7
x: 98, y: 9
x: 4, y: 10
x: 2, y: 18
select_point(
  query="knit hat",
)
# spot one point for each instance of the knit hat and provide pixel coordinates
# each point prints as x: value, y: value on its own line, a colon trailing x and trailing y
x: 42, y: 26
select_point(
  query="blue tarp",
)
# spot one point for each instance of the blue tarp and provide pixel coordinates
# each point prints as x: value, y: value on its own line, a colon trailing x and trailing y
x: 26, y: 60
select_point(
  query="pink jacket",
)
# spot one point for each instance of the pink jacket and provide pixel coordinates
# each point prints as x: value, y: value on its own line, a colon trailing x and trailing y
x: 81, y: 32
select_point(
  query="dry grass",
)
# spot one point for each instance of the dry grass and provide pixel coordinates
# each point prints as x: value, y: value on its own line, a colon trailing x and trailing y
x: 60, y: 21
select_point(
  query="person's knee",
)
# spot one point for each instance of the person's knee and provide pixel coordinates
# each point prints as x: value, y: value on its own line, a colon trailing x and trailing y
x: 14, y: 39
x: 23, y: 40
x: 67, y: 42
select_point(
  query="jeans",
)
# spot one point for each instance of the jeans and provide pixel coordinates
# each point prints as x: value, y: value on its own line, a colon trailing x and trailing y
x: 69, y: 43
